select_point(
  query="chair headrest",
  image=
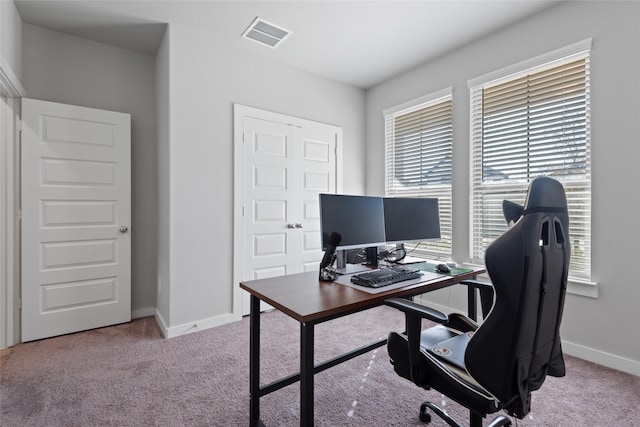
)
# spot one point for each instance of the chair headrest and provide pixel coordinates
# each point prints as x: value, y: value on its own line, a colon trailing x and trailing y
x: 544, y: 195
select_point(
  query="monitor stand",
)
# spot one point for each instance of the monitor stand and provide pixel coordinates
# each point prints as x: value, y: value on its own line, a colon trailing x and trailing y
x: 406, y: 259
x: 372, y: 256
x: 342, y: 267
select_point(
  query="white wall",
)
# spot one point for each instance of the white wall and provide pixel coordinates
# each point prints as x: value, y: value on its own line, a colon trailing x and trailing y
x: 11, y: 38
x: 62, y: 68
x: 605, y: 329
x: 206, y: 78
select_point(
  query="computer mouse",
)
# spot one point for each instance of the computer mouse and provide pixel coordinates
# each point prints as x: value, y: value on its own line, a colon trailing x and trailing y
x: 443, y: 268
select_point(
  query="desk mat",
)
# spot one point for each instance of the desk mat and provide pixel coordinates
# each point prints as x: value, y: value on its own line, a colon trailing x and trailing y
x: 431, y: 267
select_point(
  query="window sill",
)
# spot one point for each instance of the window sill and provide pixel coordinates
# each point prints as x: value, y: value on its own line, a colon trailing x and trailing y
x: 582, y: 287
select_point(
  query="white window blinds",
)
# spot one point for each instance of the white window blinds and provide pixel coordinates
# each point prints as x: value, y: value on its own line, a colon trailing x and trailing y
x: 533, y: 123
x: 418, y: 148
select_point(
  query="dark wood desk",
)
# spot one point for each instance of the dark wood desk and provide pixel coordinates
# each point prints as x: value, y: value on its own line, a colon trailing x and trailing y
x: 309, y: 301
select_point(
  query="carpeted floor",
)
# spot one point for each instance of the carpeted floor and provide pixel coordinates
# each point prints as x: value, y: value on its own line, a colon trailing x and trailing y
x: 128, y: 375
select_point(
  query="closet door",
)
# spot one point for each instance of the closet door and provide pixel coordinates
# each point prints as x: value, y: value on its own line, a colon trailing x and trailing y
x: 287, y: 162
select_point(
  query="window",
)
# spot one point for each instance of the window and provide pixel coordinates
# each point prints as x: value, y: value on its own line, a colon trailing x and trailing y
x: 418, y: 148
x: 530, y: 123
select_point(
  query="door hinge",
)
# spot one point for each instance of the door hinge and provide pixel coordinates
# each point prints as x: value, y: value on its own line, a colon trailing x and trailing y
x: 19, y: 303
x: 19, y: 214
x: 19, y: 125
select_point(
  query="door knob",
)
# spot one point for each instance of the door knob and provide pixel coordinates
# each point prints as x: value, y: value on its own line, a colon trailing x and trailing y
x: 123, y: 229
x: 290, y: 225
x: 298, y: 225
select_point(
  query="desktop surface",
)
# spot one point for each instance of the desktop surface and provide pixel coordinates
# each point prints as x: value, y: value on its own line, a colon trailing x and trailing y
x: 303, y: 297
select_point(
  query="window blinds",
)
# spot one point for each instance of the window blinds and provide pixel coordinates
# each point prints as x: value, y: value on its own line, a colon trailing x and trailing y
x: 536, y: 123
x: 418, y: 152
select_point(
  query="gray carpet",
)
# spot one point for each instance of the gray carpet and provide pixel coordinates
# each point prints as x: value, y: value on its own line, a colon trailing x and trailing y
x: 128, y: 375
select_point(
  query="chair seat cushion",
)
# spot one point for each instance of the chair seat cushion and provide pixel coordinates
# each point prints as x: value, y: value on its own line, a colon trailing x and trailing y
x: 435, y: 371
x: 450, y: 350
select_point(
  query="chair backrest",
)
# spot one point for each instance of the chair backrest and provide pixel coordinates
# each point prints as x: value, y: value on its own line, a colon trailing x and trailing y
x: 518, y: 344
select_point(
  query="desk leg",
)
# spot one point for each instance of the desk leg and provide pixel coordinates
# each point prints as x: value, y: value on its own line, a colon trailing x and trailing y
x: 471, y: 303
x: 306, y: 374
x: 254, y: 362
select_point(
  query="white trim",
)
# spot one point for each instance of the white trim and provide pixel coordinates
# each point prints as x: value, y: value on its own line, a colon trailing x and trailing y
x: 442, y: 101
x: 9, y: 81
x: 609, y: 360
x: 574, y: 52
x: 419, y: 102
x: 238, y: 206
x: 546, y: 59
x: 193, y: 326
x: 339, y: 161
x: 9, y: 223
x: 5, y: 227
x: 12, y: 89
x: 161, y: 323
x: 585, y: 288
x: 246, y: 111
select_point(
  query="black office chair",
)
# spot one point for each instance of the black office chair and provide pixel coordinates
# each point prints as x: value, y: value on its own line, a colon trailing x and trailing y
x: 496, y: 366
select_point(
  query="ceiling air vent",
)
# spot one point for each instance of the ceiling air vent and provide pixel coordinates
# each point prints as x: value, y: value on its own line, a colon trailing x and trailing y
x: 265, y: 33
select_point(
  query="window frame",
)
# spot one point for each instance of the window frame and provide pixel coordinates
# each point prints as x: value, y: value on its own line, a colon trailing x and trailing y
x: 432, y: 250
x: 568, y: 54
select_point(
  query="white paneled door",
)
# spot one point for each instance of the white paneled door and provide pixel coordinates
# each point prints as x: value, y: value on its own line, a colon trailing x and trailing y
x: 287, y: 162
x: 76, y: 214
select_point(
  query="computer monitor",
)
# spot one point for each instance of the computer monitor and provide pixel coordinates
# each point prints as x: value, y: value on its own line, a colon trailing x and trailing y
x: 411, y: 219
x: 358, y: 219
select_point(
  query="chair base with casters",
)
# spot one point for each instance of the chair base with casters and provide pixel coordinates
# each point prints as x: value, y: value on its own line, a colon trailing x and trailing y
x: 474, y: 419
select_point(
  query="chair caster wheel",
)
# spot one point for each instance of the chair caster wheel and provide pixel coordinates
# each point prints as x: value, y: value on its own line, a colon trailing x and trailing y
x: 425, y: 416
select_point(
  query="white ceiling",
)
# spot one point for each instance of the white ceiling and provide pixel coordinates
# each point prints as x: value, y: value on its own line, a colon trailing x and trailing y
x: 360, y: 43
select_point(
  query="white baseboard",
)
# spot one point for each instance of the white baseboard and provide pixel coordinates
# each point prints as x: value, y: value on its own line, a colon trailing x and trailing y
x: 602, y: 358
x: 589, y: 354
x: 142, y: 312
x: 161, y: 323
x: 195, y: 326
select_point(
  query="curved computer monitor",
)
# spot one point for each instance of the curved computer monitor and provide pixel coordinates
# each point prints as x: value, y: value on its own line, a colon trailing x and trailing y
x: 358, y: 219
x: 411, y: 219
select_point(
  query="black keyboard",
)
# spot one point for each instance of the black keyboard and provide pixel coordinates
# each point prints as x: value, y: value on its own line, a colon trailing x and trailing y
x: 385, y: 276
